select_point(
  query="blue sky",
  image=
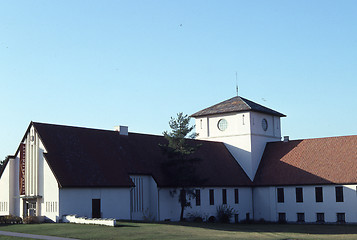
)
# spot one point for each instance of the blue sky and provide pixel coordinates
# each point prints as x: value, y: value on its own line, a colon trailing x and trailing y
x: 104, y: 63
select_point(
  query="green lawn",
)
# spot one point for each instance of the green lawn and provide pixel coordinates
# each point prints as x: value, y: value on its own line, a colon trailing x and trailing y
x: 172, y: 231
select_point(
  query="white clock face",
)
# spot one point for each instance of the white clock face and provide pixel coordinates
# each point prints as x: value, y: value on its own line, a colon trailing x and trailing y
x: 264, y: 124
x: 222, y: 124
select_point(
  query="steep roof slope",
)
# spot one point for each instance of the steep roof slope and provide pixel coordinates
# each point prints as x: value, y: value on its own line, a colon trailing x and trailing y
x: 330, y: 160
x: 236, y: 104
x: 83, y: 157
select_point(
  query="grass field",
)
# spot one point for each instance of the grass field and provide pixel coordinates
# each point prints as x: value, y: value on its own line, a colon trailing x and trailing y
x: 195, y: 231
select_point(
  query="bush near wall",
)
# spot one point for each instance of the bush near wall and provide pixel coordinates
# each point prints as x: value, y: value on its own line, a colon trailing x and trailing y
x: 31, y: 220
x: 225, y: 213
x: 10, y: 219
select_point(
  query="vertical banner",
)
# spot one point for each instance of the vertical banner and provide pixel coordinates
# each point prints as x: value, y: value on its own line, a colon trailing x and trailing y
x: 22, y: 168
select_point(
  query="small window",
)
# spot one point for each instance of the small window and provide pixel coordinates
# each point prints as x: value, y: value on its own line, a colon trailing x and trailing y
x: 211, y: 197
x: 280, y: 195
x: 318, y: 194
x: 247, y: 217
x: 282, y: 217
x: 236, y: 196
x: 339, y: 194
x: 300, y: 217
x: 224, y: 196
x: 341, y: 217
x: 320, y: 217
x: 198, y: 197
x: 222, y: 124
x: 299, y: 196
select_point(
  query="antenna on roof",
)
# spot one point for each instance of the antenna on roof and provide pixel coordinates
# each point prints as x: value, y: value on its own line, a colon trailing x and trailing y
x: 237, y: 83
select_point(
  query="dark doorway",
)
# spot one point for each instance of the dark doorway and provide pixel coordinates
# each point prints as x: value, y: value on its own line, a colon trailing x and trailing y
x: 96, y: 208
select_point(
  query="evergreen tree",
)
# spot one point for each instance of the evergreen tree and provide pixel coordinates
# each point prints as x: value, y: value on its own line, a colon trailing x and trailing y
x: 2, y: 163
x: 180, y: 164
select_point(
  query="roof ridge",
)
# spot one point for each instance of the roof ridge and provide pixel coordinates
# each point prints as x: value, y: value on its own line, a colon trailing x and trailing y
x: 236, y: 104
x: 244, y: 100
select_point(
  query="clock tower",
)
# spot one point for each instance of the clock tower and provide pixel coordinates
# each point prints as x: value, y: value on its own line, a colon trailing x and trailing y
x: 243, y: 126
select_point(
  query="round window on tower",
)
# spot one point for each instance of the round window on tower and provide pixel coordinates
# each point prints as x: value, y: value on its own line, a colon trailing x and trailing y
x: 222, y: 124
x: 264, y: 124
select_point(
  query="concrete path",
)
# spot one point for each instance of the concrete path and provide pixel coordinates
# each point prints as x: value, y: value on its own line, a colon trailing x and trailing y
x: 26, y: 235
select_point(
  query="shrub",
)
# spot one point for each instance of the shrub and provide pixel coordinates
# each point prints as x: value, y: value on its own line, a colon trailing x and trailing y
x: 10, y: 219
x: 31, y: 220
x: 212, y: 219
x: 148, y: 216
x: 224, y: 213
x: 195, y: 217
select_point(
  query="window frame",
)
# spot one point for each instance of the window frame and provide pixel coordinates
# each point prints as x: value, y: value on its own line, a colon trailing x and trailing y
x: 299, y: 194
x: 339, y: 193
x: 300, y: 217
x: 319, y: 196
x: 211, y: 197
x: 280, y: 195
x: 224, y: 196
x: 341, y: 217
x: 236, y: 196
x: 320, y: 217
x: 282, y: 217
x: 198, y: 197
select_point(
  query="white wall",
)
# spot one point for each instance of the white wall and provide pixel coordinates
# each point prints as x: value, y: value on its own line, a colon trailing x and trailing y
x: 170, y: 207
x: 14, y: 187
x: 5, y: 191
x: 9, y: 188
x: 50, y: 193
x: 267, y: 207
x: 115, y: 202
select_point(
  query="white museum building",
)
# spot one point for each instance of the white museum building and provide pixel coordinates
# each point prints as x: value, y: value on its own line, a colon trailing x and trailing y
x: 63, y: 170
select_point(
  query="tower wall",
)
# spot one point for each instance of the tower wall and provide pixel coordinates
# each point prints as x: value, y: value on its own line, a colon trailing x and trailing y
x: 245, y: 135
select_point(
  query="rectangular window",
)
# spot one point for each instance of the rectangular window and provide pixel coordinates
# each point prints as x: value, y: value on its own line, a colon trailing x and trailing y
x: 301, y: 217
x: 280, y: 195
x: 341, y: 217
x: 198, y: 197
x: 318, y: 194
x: 320, y: 217
x: 339, y: 194
x: 282, y: 217
x: 211, y: 197
x: 247, y: 217
x: 236, y: 196
x: 299, y: 196
x: 224, y: 196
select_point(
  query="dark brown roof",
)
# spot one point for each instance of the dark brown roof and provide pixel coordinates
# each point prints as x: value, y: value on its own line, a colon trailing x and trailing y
x: 236, y: 104
x: 83, y: 157
x: 330, y: 160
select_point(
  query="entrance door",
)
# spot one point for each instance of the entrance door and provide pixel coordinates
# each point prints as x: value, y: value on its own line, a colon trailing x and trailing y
x: 96, y: 208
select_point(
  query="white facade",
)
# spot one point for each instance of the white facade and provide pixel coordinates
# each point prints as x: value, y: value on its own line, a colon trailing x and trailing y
x: 244, y: 135
x: 114, y: 202
x: 267, y: 206
x: 170, y: 207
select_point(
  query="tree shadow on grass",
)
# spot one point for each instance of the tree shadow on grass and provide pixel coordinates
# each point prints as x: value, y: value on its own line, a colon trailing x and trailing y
x: 125, y: 225
x: 272, y: 227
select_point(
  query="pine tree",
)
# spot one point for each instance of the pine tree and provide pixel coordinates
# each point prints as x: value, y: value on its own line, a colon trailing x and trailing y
x: 180, y: 164
x: 2, y: 163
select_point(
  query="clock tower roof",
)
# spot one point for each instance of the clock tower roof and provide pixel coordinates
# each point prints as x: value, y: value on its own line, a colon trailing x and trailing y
x: 236, y: 104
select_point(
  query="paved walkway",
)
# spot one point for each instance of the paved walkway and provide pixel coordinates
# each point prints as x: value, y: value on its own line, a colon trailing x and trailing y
x: 26, y: 235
